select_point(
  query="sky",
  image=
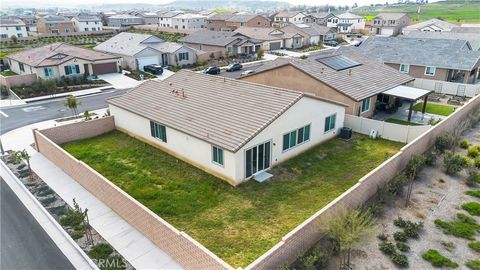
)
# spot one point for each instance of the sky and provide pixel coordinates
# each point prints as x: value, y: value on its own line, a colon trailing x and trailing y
x: 54, y: 3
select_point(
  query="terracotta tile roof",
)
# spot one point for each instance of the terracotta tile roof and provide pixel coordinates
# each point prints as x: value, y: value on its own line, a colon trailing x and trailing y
x: 218, y: 110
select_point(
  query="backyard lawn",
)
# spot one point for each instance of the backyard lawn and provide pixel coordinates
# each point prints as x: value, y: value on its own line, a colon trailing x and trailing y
x: 433, y: 108
x: 236, y: 223
x: 7, y: 73
x: 401, y: 122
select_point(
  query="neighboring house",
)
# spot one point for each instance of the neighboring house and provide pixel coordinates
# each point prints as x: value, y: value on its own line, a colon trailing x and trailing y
x: 246, y: 20
x: 208, y: 13
x: 432, y: 25
x: 149, y: 18
x: 350, y: 23
x: 294, y: 39
x: 218, y: 22
x: 56, y: 60
x: 320, y: 18
x: 52, y: 24
x: 30, y: 22
x: 221, y: 42
x: 435, y: 59
x: 238, y: 129
x: 272, y: 38
x: 314, y: 33
x: 165, y: 18
x: 139, y: 50
x: 348, y: 78
x: 124, y: 20
x: 87, y: 23
x: 12, y: 27
x: 332, y: 21
x: 389, y: 24
x: 189, y: 21
x: 283, y: 18
x: 472, y: 38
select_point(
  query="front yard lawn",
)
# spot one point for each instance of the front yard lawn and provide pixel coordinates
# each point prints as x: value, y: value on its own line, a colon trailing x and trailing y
x: 236, y: 223
x: 433, y: 108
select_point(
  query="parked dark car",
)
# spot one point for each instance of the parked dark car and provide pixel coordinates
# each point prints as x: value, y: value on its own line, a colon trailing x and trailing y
x: 331, y: 43
x: 234, y: 67
x: 154, y: 69
x: 212, y: 70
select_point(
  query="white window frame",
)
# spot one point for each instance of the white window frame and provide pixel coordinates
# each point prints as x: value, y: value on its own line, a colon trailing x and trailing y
x: 406, y: 65
x: 334, y: 124
x: 223, y: 155
x: 309, y: 125
x: 433, y: 73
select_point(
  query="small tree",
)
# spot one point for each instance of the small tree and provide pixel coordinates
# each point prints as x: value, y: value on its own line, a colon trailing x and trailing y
x: 443, y: 143
x: 87, y: 115
x: 414, y: 165
x: 14, y: 38
x: 20, y: 155
x: 348, y: 228
x: 260, y: 53
x: 72, y: 103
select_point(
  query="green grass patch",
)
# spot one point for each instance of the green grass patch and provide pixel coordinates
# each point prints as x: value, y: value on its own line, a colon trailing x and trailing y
x: 475, y: 246
x: 433, y: 108
x: 7, y: 73
x: 473, y: 264
x: 100, y: 251
x: 474, y: 193
x: 438, y: 260
x: 236, y: 223
x: 473, y: 208
x: 465, y: 227
x: 401, y: 122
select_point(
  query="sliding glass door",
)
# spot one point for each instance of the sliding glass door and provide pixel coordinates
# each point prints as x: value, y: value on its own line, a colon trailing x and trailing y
x: 257, y: 158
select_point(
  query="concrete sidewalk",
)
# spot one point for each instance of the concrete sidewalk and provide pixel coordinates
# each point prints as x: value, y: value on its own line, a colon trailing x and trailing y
x: 130, y: 243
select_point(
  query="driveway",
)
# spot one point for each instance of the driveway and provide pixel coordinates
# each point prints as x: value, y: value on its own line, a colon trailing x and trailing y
x: 166, y: 73
x: 119, y: 81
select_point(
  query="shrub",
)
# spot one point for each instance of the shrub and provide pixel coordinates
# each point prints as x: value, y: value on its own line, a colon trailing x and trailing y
x: 395, y: 186
x: 453, y: 163
x: 476, y: 163
x: 412, y: 229
x: 44, y: 191
x: 100, y: 251
x: 382, y: 237
x: 316, y: 259
x: 48, y: 200
x: 467, y: 219
x: 473, y: 151
x: 474, y: 193
x: 475, y: 246
x: 430, y: 158
x: 403, y: 247
x: 448, y: 245
x: 400, y: 260
x: 473, y: 208
x: 457, y: 229
x: 400, y: 222
x: 473, y: 264
x: 437, y: 260
x: 387, y: 248
x: 464, y: 144
x: 473, y: 176
x: 400, y: 236
x: 443, y: 142
x: 76, y: 234
x: 414, y: 165
x: 303, y: 56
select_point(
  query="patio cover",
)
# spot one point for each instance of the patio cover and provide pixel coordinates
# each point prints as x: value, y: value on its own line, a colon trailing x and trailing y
x: 407, y: 92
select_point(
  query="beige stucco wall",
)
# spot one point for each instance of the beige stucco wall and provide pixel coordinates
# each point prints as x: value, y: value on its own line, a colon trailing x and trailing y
x: 419, y: 72
x: 291, y: 78
x: 216, y: 25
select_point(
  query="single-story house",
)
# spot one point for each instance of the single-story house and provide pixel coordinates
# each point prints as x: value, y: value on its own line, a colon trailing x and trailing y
x: 432, y: 25
x: 55, y: 60
x: 272, y: 38
x: 348, y: 78
x: 238, y: 129
x: 313, y: 33
x: 389, y: 24
x: 472, y: 38
x: 220, y: 42
x: 450, y: 60
x: 139, y: 50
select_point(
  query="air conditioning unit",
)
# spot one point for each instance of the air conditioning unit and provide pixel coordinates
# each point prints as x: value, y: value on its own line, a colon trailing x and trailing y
x: 345, y: 133
x: 373, y: 134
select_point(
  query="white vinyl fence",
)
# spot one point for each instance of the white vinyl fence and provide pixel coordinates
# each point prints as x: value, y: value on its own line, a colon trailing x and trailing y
x: 389, y: 131
x: 450, y: 88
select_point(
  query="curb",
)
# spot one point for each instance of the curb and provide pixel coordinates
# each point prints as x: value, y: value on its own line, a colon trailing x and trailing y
x: 65, y: 235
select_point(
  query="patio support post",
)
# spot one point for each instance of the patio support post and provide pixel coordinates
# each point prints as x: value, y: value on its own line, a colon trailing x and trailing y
x: 410, y: 111
x: 425, y: 99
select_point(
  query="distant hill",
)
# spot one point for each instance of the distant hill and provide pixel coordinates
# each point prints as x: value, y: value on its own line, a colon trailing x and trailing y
x: 452, y: 11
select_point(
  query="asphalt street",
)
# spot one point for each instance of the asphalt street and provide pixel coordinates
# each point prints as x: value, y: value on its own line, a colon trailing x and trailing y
x: 24, y: 243
x: 50, y: 109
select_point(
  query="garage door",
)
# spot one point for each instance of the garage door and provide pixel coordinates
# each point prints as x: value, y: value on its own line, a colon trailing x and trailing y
x: 275, y: 45
x: 151, y: 60
x: 387, y: 31
x: 104, y: 68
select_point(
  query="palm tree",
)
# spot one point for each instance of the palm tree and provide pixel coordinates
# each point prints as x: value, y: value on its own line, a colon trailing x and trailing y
x: 20, y: 155
x: 348, y: 228
x: 72, y: 103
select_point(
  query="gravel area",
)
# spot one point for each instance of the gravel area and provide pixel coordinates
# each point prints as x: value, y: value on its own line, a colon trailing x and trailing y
x: 435, y: 196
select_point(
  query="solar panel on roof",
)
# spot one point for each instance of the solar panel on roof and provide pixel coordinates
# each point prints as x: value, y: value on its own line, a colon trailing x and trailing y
x: 338, y: 62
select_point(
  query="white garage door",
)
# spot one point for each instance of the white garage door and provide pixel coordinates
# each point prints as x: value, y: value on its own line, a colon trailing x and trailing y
x: 150, y: 60
x: 387, y: 31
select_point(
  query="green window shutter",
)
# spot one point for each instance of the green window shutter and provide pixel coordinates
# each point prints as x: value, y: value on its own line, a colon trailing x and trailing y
x: 306, y: 133
x: 293, y: 138
x: 286, y: 139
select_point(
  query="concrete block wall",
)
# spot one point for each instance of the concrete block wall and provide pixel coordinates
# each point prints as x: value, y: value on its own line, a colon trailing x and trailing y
x: 180, y: 246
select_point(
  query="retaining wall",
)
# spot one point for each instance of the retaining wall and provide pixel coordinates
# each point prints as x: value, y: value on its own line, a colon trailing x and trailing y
x: 450, y: 88
x: 180, y: 246
x: 18, y: 80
